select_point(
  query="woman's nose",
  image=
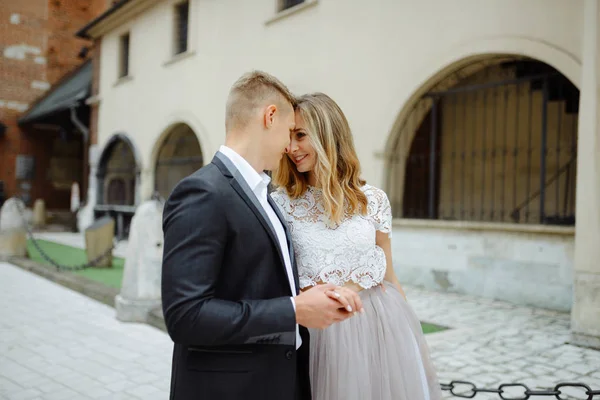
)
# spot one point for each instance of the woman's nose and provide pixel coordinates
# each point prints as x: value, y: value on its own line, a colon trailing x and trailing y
x: 293, y: 146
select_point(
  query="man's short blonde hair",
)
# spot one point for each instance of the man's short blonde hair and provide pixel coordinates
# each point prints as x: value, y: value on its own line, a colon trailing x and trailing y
x: 252, y: 90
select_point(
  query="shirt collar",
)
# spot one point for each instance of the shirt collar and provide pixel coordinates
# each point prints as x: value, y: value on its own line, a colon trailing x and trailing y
x: 252, y: 178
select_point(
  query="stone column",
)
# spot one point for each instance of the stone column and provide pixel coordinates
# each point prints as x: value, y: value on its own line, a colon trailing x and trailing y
x: 85, y: 216
x: 585, y: 315
x: 146, y: 183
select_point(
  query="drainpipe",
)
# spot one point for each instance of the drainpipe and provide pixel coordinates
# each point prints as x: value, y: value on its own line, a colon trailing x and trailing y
x: 79, y: 125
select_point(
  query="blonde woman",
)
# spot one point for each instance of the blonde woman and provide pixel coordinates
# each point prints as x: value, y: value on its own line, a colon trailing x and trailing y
x: 341, y: 233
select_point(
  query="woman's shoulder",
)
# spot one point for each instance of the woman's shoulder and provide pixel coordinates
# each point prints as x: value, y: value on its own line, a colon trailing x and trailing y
x: 378, y: 208
x: 373, y: 192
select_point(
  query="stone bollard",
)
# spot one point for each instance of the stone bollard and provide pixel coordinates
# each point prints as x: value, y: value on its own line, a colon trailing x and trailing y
x: 13, y: 233
x: 39, y: 213
x: 140, y: 290
x: 99, y: 237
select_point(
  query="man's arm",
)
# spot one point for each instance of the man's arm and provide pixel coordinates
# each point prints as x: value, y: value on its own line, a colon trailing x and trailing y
x: 195, y: 235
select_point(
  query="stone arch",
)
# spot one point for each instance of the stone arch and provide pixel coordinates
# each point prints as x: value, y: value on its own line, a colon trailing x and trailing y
x: 177, y: 154
x: 434, y: 70
x: 187, y: 118
x: 469, y: 58
x: 118, y: 172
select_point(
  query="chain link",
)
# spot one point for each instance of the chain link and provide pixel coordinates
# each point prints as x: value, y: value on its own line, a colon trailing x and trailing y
x: 57, y: 265
x: 468, y: 390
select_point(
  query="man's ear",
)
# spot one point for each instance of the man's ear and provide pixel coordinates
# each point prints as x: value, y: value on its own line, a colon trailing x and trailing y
x: 269, y: 115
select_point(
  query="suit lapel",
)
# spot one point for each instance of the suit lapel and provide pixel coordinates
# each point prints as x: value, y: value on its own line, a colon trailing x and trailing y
x: 288, y: 236
x: 240, y: 185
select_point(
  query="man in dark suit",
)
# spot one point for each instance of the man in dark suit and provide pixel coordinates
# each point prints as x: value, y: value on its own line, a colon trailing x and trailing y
x: 229, y: 281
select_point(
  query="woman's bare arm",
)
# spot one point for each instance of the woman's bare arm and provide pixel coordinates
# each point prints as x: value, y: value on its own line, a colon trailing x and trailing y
x: 383, y: 240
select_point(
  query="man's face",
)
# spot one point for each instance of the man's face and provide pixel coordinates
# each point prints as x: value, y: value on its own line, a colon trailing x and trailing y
x: 277, y: 138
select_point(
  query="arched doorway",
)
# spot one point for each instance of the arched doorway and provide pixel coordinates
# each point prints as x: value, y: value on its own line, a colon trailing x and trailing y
x: 118, y: 174
x: 179, y: 155
x: 493, y: 141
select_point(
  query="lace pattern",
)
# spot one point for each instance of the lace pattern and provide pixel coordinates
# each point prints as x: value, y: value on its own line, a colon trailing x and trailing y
x: 337, y: 253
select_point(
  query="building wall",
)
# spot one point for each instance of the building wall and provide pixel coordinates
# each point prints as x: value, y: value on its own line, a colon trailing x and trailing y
x: 531, y: 267
x: 38, y: 47
x: 376, y: 59
x: 372, y: 66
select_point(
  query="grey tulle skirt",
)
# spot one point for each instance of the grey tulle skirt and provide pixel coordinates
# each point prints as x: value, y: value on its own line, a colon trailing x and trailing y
x: 378, y: 355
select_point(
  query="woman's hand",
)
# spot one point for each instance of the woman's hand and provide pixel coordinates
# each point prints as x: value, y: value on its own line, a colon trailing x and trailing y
x: 348, y: 298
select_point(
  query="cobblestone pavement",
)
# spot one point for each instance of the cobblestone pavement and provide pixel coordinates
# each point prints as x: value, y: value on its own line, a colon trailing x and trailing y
x: 494, y: 342
x: 58, y: 344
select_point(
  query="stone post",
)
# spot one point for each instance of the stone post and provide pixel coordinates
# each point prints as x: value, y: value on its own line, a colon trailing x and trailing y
x: 13, y: 234
x: 585, y: 315
x: 39, y: 213
x: 140, y: 290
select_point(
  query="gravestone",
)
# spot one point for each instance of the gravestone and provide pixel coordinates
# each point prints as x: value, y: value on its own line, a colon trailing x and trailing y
x: 99, y: 237
x: 13, y: 233
x: 39, y: 213
x: 140, y: 290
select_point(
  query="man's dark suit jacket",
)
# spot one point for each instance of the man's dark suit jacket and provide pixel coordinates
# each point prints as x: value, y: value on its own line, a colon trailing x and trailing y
x: 226, y: 295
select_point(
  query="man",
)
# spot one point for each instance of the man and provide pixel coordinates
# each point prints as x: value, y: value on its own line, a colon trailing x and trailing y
x: 229, y: 282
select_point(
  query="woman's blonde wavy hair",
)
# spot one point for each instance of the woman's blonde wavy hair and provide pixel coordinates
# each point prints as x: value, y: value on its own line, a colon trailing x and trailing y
x: 337, y: 168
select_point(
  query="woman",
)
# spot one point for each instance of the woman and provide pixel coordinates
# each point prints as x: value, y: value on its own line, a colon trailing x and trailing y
x: 341, y: 229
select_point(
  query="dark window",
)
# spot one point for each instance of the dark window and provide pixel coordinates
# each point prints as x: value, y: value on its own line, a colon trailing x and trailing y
x: 116, y: 192
x: 285, y: 4
x: 124, y: 67
x: 181, y: 27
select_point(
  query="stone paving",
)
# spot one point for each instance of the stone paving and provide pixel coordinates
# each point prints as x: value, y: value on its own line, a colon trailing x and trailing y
x: 58, y: 344
x: 494, y: 342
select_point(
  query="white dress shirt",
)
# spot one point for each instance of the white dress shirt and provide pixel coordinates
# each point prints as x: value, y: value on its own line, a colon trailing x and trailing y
x: 259, y: 185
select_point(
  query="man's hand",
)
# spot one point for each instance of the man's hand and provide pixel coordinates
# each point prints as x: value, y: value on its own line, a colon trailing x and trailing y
x: 320, y: 307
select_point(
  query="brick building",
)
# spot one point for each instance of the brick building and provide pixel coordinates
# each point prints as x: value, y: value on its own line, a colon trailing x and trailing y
x: 42, y: 149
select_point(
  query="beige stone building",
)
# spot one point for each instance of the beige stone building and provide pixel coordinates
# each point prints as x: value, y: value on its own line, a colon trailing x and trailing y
x: 479, y: 118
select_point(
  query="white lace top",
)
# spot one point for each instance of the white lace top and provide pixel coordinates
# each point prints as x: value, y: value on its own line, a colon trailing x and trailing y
x: 337, y: 254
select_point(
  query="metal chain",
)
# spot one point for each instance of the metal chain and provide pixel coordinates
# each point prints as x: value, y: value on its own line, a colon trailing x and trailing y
x: 61, y: 267
x: 468, y: 390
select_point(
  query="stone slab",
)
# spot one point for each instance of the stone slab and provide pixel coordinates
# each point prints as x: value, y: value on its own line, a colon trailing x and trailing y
x: 98, y: 238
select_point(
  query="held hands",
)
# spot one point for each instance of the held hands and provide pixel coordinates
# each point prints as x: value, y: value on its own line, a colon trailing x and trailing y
x: 324, y: 305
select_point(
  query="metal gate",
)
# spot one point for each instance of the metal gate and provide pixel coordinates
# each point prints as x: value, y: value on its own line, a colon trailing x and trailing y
x: 492, y: 149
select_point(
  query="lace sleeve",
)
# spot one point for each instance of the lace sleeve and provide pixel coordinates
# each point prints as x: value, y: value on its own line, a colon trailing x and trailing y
x: 380, y: 210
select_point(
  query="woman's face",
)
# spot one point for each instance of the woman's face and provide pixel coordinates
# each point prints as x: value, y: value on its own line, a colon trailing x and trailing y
x: 302, y: 153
